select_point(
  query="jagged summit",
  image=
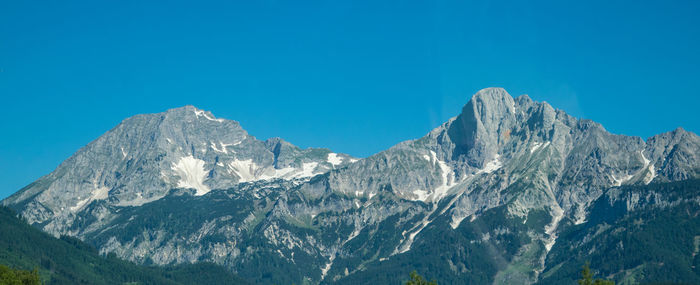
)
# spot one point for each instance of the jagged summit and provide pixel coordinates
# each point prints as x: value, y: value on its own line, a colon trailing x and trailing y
x: 524, y: 98
x: 491, y: 96
x: 483, y: 123
x: 189, y: 110
x: 145, y: 156
x: 569, y: 160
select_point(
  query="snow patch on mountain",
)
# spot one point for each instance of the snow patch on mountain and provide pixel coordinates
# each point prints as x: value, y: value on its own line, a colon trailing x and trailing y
x: 618, y: 181
x: 221, y: 150
x: 248, y: 171
x: 334, y: 159
x: 492, y: 165
x: 100, y: 193
x: 447, y: 179
x: 371, y: 194
x: 446, y: 182
x: 550, y: 229
x: 456, y: 221
x: 224, y: 147
x: 421, y: 195
x: 651, y: 174
x: 406, y: 243
x: 307, y: 170
x: 201, y: 113
x: 192, y: 174
x: 274, y: 173
x: 245, y: 169
x: 327, y: 267
x: 538, y: 145
x: 579, y: 217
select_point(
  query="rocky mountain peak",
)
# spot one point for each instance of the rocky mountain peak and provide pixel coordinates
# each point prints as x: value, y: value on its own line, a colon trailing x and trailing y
x: 145, y: 156
x: 485, y: 122
x: 523, y: 99
x: 276, y: 144
x: 492, y: 97
x: 192, y: 112
x: 677, y: 134
x: 672, y: 152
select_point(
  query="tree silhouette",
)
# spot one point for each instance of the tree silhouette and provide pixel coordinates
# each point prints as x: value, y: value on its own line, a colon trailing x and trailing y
x: 587, y: 277
x: 418, y: 280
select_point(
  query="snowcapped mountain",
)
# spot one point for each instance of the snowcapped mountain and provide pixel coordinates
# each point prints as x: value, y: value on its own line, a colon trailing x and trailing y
x: 483, y: 198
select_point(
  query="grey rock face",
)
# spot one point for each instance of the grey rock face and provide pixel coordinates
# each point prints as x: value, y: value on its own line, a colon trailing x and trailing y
x: 570, y: 160
x: 146, y: 156
x: 240, y: 200
x: 674, y: 154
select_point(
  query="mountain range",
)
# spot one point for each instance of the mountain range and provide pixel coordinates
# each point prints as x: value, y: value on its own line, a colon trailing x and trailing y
x: 510, y: 191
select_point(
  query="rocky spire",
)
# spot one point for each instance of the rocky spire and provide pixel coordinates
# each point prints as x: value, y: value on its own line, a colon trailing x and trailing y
x: 486, y: 120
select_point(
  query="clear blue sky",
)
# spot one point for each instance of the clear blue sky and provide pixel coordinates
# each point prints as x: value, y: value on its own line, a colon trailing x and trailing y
x: 353, y: 76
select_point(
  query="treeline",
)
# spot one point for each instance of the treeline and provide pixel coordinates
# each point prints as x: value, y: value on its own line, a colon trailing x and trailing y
x: 70, y: 261
x: 651, y: 245
x: 586, y: 278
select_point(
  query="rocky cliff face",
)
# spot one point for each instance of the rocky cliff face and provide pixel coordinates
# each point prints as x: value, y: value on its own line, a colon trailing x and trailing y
x: 146, y: 156
x: 498, y: 140
x: 501, y: 179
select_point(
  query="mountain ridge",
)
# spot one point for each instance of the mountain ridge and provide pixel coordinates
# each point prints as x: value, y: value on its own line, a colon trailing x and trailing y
x: 536, y: 169
x: 174, y: 133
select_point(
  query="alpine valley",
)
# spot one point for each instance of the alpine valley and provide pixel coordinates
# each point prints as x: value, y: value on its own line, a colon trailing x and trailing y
x: 510, y: 191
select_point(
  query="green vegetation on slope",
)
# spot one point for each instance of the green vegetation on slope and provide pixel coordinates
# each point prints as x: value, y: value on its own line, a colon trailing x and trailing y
x: 654, y: 240
x: 648, y: 243
x: 587, y: 277
x: 70, y: 261
x: 419, y: 280
x: 9, y: 276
